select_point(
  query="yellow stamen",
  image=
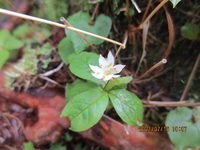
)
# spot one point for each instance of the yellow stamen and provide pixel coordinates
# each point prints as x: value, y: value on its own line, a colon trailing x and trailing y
x: 103, y: 77
x: 109, y: 65
x: 97, y: 72
x: 115, y: 70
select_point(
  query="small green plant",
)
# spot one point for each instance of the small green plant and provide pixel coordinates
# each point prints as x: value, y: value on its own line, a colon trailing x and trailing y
x: 8, y: 43
x: 27, y: 67
x: 87, y: 101
x: 28, y: 146
x: 58, y: 146
x: 184, y: 127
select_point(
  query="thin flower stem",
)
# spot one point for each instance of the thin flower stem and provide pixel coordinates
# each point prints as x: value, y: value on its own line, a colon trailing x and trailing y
x: 163, y: 61
x: 125, y: 40
x: 11, y: 13
x: 190, y: 78
x: 106, y: 85
x: 153, y: 12
x: 68, y: 24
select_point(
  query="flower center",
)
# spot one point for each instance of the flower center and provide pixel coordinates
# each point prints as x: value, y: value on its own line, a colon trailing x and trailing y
x: 107, y: 72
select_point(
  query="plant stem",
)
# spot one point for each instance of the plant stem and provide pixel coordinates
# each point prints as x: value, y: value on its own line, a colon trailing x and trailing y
x: 11, y: 13
x: 106, y: 85
x: 153, y: 12
x: 173, y: 105
x: 163, y: 61
x: 68, y: 24
x: 190, y: 78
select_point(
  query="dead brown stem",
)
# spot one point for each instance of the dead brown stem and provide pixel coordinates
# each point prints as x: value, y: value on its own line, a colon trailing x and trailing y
x: 153, y: 12
x: 172, y: 105
x: 68, y: 24
x: 190, y: 78
x: 11, y: 13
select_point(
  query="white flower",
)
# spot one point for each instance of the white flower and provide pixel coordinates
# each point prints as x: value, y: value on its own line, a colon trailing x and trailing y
x: 107, y: 70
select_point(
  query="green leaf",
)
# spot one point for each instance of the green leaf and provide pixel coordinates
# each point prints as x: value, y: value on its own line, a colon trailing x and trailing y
x: 181, y: 118
x: 22, y: 31
x: 68, y: 137
x: 128, y: 106
x: 4, y: 36
x: 4, y: 55
x: 79, y: 65
x: 190, y: 31
x: 78, y: 88
x: 46, y: 63
x: 131, y: 12
x: 28, y: 146
x: 118, y: 81
x: 13, y: 43
x: 46, y: 49
x: 86, y: 109
x: 175, y: 2
x: 80, y: 20
x: 65, y: 49
x: 80, y: 147
x: 58, y: 146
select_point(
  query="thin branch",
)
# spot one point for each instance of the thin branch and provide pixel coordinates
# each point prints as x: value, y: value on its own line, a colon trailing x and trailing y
x: 50, y: 80
x: 48, y: 73
x: 68, y: 24
x: 146, y: 11
x: 190, y: 78
x: 152, y: 77
x: 153, y: 12
x: 11, y: 13
x: 136, y: 6
x: 12, y: 75
x: 173, y: 105
x: 144, y: 39
x: 125, y: 40
x: 94, y: 12
x: 163, y: 61
x: 162, y: 103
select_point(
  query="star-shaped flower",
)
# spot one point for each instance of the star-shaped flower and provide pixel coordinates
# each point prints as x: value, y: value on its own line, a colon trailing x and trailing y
x: 107, y: 71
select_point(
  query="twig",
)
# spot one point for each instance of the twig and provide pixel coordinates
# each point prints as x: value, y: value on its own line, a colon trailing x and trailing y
x: 172, y: 105
x: 12, y: 75
x: 162, y: 103
x: 153, y: 12
x: 125, y: 40
x: 152, y: 77
x: 48, y: 73
x: 50, y: 80
x: 94, y: 12
x: 190, y: 78
x: 144, y: 39
x: 163, y: 61
x: 136, y: 6
x: 68, y: 24
x: 11, y: 13
x: 146, y: 11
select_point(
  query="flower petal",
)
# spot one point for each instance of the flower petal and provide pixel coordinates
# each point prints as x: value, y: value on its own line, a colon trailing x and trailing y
x: 110, y: 60
x: 98, y: 76
x: 108, y: 77
x: 116, y: 76
x: 102, y: 61
x: 96, y: 69
x: 117, y: 69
